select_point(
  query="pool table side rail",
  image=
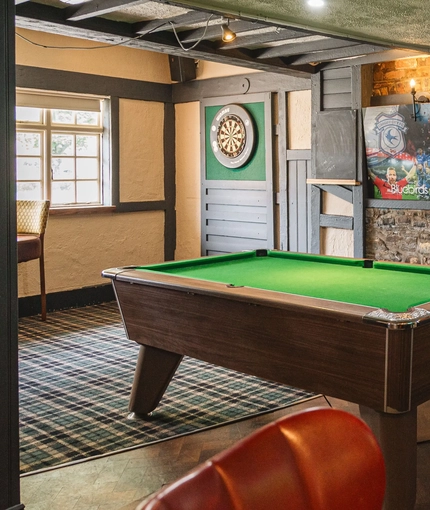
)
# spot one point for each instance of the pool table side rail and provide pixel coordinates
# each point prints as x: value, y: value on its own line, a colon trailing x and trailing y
x: 353, y: 312
x: 294, y: 302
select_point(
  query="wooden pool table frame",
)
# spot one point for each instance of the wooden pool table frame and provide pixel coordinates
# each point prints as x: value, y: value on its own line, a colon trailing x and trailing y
x: 357, y: 353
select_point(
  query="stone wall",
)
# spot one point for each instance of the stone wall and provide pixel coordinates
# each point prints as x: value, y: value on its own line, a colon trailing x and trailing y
x: 398, y: 235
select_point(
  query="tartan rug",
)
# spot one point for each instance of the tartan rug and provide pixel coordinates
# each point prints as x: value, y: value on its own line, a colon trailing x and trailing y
x: 76, y: 372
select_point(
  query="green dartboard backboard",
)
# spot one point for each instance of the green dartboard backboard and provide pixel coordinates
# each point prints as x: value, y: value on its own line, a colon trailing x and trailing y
x: 255, y: 168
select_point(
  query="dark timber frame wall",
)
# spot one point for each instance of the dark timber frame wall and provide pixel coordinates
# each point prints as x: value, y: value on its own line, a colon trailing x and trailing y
x: 116, y: 89
x: 9, y: 440
x: 340, y: 89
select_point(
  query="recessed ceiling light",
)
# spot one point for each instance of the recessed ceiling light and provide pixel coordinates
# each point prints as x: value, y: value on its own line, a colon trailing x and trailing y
x: 315, y: 3
x: 75, y: 2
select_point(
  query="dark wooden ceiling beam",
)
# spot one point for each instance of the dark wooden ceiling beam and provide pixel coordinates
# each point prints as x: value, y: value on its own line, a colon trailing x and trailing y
x: 97, y: 8
x: 338, y: 53
x: 300, y: 48
x: 184, y: 20
x: 255, y: 40
x: 45, y: 18
x: 214, y: 32
x: 389, y: 55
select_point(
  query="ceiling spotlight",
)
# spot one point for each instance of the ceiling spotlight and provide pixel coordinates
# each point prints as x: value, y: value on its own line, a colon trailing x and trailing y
x: 227, y: 34
x: 315, y: 3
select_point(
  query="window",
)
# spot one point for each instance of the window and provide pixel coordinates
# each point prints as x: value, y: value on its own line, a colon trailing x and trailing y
x: 59, y: 149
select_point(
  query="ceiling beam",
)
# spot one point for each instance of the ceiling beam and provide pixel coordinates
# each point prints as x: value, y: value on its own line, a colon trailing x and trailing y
x: 50, y: 19
x: 184, y: 20
x: 97, y: 8
x: 255, y: 40
x: 338, y: 53
x: 389, y: 55
x: 213, y: 32
x: 300, y: 48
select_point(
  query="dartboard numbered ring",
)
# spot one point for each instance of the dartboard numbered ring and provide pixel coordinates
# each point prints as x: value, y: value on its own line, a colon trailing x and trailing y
x: 232, y: 136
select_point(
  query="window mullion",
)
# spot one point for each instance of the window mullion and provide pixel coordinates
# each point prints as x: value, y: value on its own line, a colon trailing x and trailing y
x: 48, y: 159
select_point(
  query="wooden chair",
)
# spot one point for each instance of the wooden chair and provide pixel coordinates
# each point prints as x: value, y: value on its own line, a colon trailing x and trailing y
x: 318, y: 459
x: 32, y: 217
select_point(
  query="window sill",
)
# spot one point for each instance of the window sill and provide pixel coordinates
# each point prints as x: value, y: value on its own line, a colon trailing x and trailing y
x: 71, y: 211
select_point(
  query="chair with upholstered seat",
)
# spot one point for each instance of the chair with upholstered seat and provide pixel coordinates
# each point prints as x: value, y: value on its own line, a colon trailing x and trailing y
x: 32, y: 217
x: 318, y: 459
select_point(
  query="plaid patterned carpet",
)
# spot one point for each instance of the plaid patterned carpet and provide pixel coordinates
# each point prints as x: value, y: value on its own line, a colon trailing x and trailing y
x: 76, y: 372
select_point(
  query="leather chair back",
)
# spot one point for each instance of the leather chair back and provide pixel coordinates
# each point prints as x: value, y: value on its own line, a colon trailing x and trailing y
x: 319, y: 459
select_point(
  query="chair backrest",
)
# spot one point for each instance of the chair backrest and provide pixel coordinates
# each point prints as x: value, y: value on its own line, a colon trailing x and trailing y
x: 318, y: 459
x: 32, y: 216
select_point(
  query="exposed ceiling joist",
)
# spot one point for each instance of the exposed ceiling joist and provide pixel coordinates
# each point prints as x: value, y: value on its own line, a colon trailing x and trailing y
x: 97, y: 8
x: 214, y: 32
x: 184, y: 20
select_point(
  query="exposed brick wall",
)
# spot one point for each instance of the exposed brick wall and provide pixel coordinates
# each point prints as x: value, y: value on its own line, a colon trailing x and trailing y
x: 394, y: 77
x: 399, y: 235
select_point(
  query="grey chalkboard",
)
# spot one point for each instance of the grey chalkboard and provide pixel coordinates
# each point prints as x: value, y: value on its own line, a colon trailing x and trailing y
x: 336, y: 145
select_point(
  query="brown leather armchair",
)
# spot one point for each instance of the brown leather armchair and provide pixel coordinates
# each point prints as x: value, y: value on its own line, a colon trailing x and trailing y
x: 319, y: 459
x: 32, y: 217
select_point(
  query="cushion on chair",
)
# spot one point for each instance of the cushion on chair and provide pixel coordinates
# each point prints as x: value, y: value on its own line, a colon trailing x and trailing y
x: 29, y: 247
x: 319, y: 459
x: 32, y: 216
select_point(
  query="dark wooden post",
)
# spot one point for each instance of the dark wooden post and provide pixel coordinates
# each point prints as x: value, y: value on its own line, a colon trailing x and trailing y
x: 9, y: 434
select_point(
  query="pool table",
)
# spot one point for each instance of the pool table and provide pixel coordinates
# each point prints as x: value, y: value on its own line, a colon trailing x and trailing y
x: 354, y: 329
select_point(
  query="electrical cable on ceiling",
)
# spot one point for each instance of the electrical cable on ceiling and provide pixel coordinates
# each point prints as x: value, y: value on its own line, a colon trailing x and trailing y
x: 197, y: 42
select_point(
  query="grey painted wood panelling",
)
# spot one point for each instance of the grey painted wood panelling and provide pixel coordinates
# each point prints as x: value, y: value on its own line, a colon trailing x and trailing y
x: 235, y: 219
x: 339, y: 89
x: 298, y: 170
x: 238, y: 215
x: 336, y: 91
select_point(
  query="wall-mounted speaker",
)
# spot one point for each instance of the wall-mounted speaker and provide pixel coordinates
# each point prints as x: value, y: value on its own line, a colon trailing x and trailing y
x: 182, y: 69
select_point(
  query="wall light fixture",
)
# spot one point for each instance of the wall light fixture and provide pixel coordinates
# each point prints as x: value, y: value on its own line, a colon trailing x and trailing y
x: 424, y: 97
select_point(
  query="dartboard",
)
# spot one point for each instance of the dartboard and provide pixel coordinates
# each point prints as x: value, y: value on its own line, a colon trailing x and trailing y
x: 232, y: 136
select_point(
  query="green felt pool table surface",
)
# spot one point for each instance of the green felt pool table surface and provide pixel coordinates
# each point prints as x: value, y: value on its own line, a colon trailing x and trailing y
x: 391, y: 286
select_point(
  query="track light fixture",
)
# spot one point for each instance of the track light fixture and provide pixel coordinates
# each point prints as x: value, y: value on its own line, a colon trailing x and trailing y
x: 227, y: 34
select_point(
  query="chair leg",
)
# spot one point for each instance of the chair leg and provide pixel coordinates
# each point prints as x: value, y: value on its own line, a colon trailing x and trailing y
x: 42, y: 286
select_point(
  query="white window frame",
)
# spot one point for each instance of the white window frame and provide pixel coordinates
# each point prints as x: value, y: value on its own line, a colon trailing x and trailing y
x: 49, y: 101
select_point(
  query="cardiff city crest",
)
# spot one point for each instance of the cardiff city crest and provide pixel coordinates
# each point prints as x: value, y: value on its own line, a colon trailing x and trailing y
x: 391, y: 130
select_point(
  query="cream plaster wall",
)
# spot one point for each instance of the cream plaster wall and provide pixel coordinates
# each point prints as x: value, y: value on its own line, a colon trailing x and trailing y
x: 188, y: 181
x: 116, y: 61
x: 78, y: 248
x: 141, y: 157
x: 337, y: 241
x: 299, y: 120
x: 206, y: 70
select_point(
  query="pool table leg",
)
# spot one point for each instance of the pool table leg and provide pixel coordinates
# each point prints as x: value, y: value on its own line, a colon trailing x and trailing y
x: 154, y: 371
x: 397, y: 435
